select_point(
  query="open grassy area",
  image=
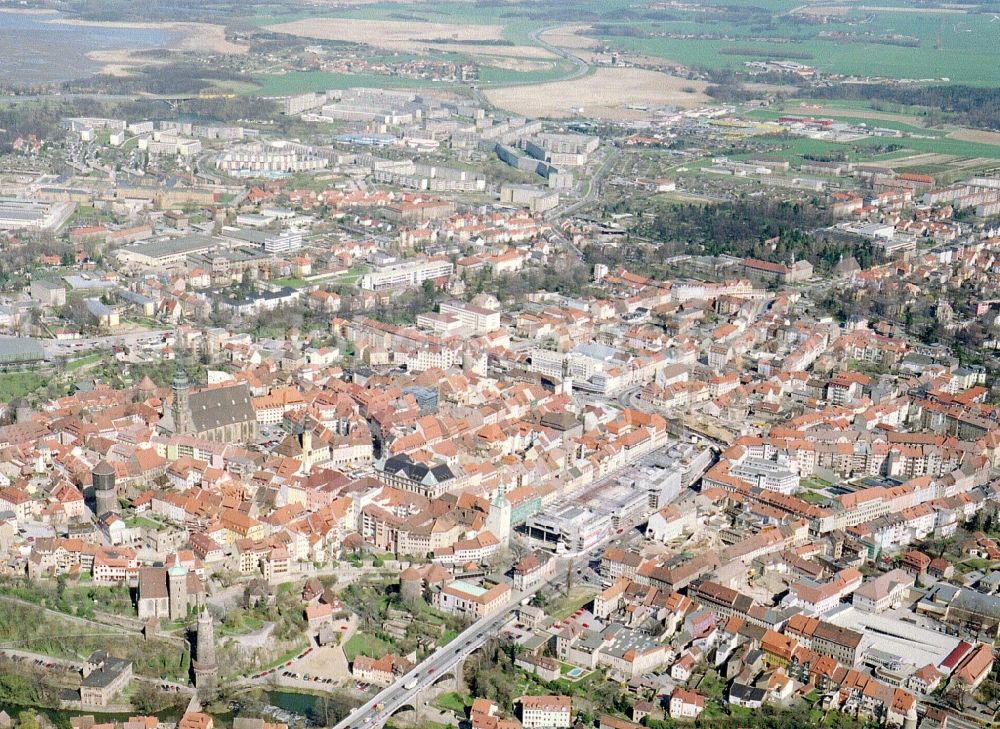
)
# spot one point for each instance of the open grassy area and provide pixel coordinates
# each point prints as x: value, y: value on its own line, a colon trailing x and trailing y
x: 142, y: 521
x: 78, y: 599
x: 975, y: 564
x: 565, y: 605
x: 20, y: 384
x: 493, y: 76
x: 453, y: 701
x: 811, y: 497
x: 861, y: 150
x: 240, y: 624
x: 816, y: 483
x: 953, y: 46
x: 363, y: 644
x: 934, y: 44
x: 55, y: 636
x: 87, y: 359
x: 447, y: 637
x: 293, y: 282
x: 351, y: 277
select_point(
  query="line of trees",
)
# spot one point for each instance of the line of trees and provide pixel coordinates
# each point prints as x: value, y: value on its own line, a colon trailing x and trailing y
x: 972, y: 106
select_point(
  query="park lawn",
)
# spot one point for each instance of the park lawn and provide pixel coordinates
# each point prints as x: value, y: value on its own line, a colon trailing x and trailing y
x: 453, y: 701
x: 362, y: 644
x: 19, y: 384
x: 349, y: 279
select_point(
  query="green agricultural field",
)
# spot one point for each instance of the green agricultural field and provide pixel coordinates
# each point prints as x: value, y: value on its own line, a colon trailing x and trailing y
x: 957, y: 46
x: 858, y: 151
x: 493, y: 76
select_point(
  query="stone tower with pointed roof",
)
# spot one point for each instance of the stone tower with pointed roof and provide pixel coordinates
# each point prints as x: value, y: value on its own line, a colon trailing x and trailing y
x: 206, y: 670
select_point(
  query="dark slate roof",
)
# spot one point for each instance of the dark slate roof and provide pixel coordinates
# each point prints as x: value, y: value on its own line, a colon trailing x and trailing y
x: 746, y: 693
x: 418, y: 472
x: 221, y: 406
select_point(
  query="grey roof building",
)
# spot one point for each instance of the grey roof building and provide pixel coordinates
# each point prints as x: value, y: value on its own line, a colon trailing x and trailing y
x: 104, y: 677
x: 221, y: 414
x: 428, y: 480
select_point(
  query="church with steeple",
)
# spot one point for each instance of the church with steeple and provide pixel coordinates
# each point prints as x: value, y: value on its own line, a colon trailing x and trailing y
x: 221, y: 414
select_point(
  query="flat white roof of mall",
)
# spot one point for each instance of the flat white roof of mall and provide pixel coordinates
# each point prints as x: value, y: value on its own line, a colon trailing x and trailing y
x: 888, y: 633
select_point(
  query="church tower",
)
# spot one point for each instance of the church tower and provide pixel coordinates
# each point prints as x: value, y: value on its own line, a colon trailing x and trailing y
x: 177, y: 590
x: 498, y: 519
x: 566, y: 386
x: 206, y: 671
x: 181, y: 407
